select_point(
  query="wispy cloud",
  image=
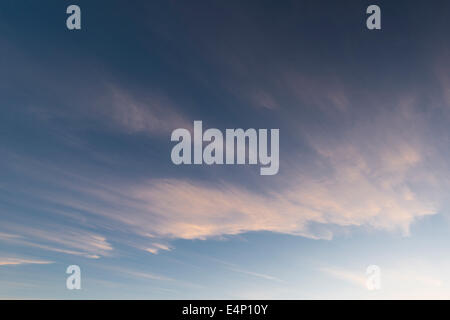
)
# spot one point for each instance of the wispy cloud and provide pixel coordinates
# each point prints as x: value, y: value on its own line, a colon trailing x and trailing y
x: 19, y: 261
x: 72, y: 241
x: 138, y: 274
x: 256, y: 274
x: 326, y: 92
x: 373, y: 172
x: 235, y: 268
x: 8, y: 236
x: 356, y: 278
x: 156, y: 247
x: 359, y: 177
x: 153, y: 114
x: 147, y: 275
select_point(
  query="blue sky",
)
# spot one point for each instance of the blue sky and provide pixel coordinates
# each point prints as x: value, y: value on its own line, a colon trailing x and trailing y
x: 86, y: 176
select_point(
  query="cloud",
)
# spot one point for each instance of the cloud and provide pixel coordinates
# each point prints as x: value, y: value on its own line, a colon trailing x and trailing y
x: 18, y: 261
x: 256, y: 274
x: 262, y: 98
x: 405, y: 280
x: 146, y: 275
x: 440, y: 68
x: 153, y: 114
x: 356, y: 278
x: 71, y: 241
x: 137, y: 273
x: 156, y: 247
x: 377, y: 174
x: 323, y: 92
x: 235, y: 268
x: 7, y: 236
x: 378, y: 171
x: 192, y: 210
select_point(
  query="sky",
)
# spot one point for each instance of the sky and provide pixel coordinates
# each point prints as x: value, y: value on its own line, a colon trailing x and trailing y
x: 86, y: 176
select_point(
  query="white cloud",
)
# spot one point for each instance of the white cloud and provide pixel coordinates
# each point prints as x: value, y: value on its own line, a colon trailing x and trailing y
x: 4, y: 261
x: 71, y: 241
x: 156, y: 247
